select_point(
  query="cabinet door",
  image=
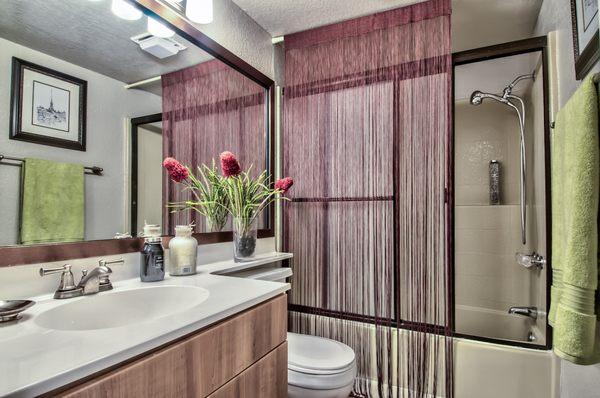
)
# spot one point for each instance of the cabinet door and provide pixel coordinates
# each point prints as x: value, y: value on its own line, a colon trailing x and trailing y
x: 200, y: 364
x: 267, y: 378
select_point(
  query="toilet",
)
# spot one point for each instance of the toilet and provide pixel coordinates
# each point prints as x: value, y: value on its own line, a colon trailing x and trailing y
x: 319, y: 367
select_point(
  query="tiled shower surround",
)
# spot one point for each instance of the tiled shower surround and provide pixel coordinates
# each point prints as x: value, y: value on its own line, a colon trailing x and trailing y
x: 488, y: 281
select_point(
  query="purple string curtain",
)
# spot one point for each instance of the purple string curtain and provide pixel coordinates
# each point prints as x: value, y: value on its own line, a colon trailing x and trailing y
x: 366, y: 135
x: 207, y: 109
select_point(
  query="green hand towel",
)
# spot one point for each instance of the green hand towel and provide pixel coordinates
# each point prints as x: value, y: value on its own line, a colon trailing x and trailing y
x: 52, y: 202
x: 575, y: 175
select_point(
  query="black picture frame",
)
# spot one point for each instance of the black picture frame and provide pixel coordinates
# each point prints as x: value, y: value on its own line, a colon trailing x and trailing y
x: 585, y: 58
x: 16, y: 131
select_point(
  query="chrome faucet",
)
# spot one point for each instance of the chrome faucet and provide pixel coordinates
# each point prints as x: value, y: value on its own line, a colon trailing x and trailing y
x: 531, y: 312
x: 97, y: 280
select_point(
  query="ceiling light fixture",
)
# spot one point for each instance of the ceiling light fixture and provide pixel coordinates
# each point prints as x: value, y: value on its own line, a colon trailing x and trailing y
x: 124, y: 10
x: 199, y: 11
x: 158, y: 29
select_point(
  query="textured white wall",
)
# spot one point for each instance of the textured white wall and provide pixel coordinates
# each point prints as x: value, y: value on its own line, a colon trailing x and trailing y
x: 108, y: 105
x: 235, y: 30
x: 555, y: 15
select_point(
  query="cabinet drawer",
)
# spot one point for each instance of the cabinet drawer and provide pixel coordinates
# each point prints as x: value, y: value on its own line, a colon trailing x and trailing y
x: 267, y: 378
x: 199, y: 364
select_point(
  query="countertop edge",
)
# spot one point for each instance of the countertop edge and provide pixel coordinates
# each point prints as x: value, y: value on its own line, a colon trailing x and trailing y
x: 91, y: 368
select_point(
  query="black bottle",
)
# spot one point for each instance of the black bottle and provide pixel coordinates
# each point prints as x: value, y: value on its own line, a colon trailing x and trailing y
x: 152, y: 263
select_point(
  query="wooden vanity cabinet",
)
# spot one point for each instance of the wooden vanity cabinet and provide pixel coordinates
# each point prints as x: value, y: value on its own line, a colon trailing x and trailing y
x: 243, y: 356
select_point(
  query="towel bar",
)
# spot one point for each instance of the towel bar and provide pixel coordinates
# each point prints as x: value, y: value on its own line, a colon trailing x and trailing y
x: 93, y: 170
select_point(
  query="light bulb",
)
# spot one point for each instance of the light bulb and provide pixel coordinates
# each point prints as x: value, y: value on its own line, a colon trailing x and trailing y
x: 124, y: 10
x: 157, y: 28
x: 199, y: 11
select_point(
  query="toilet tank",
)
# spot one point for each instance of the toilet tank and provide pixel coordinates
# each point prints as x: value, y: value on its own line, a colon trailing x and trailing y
x: 265, y: 273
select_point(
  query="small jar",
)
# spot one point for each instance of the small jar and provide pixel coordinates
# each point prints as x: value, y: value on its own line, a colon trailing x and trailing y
x: 183, y: 252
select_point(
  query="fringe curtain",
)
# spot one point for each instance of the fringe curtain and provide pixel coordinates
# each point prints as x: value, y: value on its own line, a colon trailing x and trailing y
x: 207, y: 109
x: 366, y: 136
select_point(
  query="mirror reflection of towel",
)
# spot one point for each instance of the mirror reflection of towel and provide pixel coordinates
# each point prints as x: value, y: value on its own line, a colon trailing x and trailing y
x: 53, y: 203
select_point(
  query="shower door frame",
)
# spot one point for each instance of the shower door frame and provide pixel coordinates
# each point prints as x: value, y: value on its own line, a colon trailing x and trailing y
x: 536, y: 44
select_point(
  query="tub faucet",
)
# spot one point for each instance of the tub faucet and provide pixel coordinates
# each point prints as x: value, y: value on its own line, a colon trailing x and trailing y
x: 531, y: 312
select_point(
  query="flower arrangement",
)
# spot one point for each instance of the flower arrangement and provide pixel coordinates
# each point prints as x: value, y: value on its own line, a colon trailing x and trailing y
x: 247, y: 197
x: 234, y: 192
x: 207, y: 190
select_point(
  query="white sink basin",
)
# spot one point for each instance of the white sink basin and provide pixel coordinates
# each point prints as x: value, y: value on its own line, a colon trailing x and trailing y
x: 121, y: 308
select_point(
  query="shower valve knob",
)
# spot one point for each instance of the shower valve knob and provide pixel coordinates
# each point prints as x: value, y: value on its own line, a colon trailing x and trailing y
x: 533, y: 260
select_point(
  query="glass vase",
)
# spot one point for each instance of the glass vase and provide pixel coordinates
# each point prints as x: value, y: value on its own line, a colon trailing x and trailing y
x: 244, y: 239
x: 215, y: 225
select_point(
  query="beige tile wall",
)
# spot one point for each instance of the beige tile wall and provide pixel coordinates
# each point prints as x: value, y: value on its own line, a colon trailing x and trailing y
x: 487, y: 237
x: 485, y: 132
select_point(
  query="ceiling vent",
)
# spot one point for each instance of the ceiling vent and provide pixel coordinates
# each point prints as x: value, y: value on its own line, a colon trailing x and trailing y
x: 160, y: 47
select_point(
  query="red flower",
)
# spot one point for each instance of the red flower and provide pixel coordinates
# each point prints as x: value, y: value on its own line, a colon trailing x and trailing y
x: 284, y: 184
x: 229, y: 164
x: 176, y: 170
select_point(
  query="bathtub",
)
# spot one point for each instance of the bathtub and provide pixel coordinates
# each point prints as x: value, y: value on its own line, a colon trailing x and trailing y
x: 481, y: 369
x: 495, y: 324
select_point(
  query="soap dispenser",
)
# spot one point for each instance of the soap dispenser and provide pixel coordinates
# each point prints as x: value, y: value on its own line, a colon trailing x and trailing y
x: 152, y: 264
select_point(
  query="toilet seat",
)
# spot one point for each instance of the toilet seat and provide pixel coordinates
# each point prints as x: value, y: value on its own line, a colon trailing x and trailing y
x: 318, y: 363
x: 322, y: 382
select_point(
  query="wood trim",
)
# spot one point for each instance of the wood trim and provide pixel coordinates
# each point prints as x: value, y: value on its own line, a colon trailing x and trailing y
x: 588, y: 58
x: 267, y: 378
x: 133, y: 167
x: 499, y: 50
x: 187, y: 30
x: 21, y: 255
x: 198, y: 365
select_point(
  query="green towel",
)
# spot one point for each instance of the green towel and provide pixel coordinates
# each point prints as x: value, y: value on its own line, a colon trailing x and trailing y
x: 575, y: 177
x: 52, y: 202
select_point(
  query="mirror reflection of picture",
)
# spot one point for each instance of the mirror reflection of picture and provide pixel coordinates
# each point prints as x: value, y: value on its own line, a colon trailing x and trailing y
x: 50, y: 107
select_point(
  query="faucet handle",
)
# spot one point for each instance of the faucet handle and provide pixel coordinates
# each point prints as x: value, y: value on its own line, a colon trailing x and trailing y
x: 104, y: 263
x: 47, y: 271
x: 105, y: 283
x: 66, y: 287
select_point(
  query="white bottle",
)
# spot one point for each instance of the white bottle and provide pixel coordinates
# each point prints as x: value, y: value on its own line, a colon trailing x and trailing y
x: 183, y: 251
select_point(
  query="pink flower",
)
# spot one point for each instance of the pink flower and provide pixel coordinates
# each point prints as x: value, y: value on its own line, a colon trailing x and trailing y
x: 284, y: 184
x: 176, y: 170
x: 229, y: 164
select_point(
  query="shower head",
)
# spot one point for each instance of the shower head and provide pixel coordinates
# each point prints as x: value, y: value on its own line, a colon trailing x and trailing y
x: 477, y: 97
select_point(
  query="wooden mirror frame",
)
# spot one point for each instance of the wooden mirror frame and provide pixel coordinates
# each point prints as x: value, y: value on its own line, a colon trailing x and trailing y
x: 21, y: 255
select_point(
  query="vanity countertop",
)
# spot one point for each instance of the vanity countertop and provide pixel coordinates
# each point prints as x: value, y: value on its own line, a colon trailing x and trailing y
x: 35, y: 360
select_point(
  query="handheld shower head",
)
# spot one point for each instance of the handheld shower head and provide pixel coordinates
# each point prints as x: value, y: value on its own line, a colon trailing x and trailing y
x: 477, y: 97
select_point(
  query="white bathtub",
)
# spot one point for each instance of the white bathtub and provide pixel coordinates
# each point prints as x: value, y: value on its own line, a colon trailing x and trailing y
x: 483, y: 322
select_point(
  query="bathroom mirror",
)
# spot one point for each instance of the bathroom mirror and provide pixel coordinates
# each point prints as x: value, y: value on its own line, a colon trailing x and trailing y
x: 501, y: 200
x: 82, y: 76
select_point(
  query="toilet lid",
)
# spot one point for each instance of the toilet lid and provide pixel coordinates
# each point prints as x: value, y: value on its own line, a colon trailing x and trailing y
x: 311, y: 354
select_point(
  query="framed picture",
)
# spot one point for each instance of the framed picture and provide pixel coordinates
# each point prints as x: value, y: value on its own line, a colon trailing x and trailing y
x: 584, y: 16
x: 47, y: 107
